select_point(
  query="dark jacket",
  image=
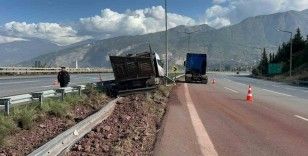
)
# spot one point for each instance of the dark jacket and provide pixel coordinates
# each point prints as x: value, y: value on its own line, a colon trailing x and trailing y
x: 63, y: 77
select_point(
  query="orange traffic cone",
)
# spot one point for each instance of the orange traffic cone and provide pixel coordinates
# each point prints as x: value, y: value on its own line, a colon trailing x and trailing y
x: 213, y: 81
x: 249, y: 95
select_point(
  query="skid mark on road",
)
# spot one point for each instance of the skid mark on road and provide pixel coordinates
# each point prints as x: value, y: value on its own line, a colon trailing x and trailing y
x: 300, y: 117
x: 277, y: 92
x: 231, y: 90
x: 205, y: 143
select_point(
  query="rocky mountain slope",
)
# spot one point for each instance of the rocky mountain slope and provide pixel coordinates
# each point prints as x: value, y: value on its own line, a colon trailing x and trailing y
x: 235, y: 45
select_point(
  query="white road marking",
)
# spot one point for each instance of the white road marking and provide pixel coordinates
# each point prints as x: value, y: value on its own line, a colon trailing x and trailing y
x: 276, y: 86
x: 7, y: 83
x: 240, y: 83
x: 205, y: 143
x: 300, y: 117
x: 277, y: 92
x: 48, y: 86
x: 231, y: 89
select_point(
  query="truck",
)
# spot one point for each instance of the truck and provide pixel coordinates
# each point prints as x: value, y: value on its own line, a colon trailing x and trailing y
x: 195, y: 68
x: 134, y: 72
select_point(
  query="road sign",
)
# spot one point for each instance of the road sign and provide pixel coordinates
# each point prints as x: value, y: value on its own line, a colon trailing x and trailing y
x: 174, y: 68
x: 274, y: 68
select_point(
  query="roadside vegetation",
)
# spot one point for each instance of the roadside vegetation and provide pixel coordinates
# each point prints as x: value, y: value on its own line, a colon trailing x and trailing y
x: 132, y: 128
x: 29, y: 126
x: 282, y: 57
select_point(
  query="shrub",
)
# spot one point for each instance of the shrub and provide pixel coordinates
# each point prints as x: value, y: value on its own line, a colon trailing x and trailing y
x: 6, y: 127
x: 57, y: 108
x: 24, y: 116
x: 164, y: 90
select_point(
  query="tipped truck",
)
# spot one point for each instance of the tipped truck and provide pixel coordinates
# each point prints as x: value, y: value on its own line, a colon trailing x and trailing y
x: 134, y: 72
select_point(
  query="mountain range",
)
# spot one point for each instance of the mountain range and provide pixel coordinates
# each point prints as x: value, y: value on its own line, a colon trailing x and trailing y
x: 236, y: 45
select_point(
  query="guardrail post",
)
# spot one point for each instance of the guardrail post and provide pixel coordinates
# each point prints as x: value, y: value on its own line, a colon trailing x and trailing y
x: 38, y: 95
x: 62, y: 91
x: 6, y: 102
x: 79, y: 90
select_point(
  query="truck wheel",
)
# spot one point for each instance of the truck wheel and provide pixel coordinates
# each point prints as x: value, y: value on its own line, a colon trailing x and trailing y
x: 204, y: 81
x: 187, y: 79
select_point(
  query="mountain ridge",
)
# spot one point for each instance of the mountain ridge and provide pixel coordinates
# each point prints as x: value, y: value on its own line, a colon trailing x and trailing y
x: 235, y: 45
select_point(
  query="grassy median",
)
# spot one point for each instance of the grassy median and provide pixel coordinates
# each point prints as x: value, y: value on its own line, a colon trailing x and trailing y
x: 31, y: 125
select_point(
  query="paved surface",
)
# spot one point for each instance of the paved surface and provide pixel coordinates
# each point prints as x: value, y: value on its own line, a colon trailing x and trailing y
x: 215, y: 119
x: 26, y: 84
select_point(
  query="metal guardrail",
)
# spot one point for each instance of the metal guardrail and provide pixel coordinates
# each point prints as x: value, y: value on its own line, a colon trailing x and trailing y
x: 9, y: 101
x: 31, y: 70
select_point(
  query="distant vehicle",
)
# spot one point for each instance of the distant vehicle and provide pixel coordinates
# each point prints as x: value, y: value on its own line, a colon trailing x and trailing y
x: 134, y: 72
x: 195, y: 68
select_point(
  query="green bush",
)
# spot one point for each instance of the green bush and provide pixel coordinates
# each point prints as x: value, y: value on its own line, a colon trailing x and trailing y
x: 24, y: 116
x: 56, y: 107
x: 6, y: 127
x: 74, y: 99
x: 164, y: 90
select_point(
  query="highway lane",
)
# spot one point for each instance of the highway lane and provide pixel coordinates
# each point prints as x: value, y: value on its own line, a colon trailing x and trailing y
x: 27, y: 84
x: 298, y: 91
x: 275, y: 123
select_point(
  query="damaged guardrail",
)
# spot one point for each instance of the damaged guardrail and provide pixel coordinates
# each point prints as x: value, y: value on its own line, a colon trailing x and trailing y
x: 11, y: 101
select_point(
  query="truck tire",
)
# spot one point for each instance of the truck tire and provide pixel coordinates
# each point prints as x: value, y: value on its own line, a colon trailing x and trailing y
x: 204, y: 81
x: 187, y: 79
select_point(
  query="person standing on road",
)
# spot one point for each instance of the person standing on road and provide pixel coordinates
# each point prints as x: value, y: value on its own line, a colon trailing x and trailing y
x: 63, y: 77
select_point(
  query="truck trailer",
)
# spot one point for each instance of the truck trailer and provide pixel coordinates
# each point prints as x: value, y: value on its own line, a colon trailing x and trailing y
x: 134, y: 72
x: 195, y: 68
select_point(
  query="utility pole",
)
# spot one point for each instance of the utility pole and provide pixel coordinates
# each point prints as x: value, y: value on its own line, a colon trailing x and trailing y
x: 76, y: 64
x: 188, y: 41
x: 166, y: 37
x: 291, y: 46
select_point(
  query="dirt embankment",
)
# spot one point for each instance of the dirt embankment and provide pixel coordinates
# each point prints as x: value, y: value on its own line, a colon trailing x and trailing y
x: 131, y: 129
x: 50, y: 121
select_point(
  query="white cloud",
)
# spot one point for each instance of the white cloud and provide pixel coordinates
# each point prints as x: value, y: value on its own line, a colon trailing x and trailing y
x: 110, y: 23
x: 216, y: 16
x: 61, y: 35
x: 141, y: 21
x: 236, y: 10
x: 7, y: 39
x: 219, y: 1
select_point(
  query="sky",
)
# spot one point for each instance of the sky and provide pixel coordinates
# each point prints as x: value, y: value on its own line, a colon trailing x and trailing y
x: 69, y: 21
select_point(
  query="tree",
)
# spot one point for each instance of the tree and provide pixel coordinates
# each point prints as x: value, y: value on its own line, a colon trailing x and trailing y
x: 271, y: 57
x: 263, y: 66
x: 298, y: 42
x: 306, y: 51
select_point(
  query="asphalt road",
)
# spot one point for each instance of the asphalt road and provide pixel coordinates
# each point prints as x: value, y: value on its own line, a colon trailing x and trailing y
x: 216, y: 119
x: 27, y: 84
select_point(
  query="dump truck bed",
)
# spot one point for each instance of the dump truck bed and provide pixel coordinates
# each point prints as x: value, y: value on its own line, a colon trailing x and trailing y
x: 126, y: 68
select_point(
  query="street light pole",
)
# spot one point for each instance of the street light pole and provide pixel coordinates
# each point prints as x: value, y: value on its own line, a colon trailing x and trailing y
x: 188, y: 41
x: 189, y: 33
x: 291, y: 46
x: 166, y: 37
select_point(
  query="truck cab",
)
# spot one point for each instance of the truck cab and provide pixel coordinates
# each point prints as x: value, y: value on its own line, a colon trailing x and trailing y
x: 195, y: 68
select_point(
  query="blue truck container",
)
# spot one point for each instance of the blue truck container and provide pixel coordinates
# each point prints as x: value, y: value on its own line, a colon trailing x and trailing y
x: 195, y: 68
